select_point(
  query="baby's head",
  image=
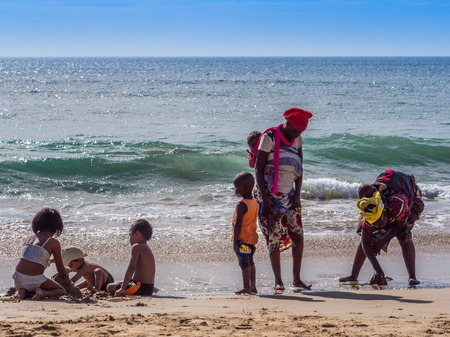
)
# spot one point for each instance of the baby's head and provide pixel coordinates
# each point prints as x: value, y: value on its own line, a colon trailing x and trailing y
x: 366, y: 191
x: 252, y: 138
x: 243, y: 184
x: 143, y: 227
x: 47, y: 219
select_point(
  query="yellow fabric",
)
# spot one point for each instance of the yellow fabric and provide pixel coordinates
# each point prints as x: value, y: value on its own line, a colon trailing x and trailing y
x: 371, y: 216
x: 248, y: 228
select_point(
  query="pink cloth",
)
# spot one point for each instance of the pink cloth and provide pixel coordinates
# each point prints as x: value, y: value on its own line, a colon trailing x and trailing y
x: 276, y: 156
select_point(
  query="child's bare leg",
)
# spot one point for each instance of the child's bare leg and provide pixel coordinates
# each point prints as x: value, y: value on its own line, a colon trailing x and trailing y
x: 20, y: 294
x: 100, y: 278
x: 47, y: 289
x: 112, y: 287
x: 253, y: 289
x: 246, y: 280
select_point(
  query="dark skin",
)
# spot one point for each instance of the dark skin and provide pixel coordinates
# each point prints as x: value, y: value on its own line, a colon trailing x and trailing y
x: 49, y: 287
x: 95, y: 276
x: 365, y: 247
x: 290, y: 133
x: 243, y: 189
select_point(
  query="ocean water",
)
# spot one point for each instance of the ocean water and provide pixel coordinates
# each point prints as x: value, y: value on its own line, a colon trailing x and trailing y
x: 108, y: 140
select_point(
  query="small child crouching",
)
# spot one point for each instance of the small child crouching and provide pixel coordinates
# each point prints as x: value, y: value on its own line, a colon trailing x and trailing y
x: 140, y: 274
x: 244, y: 231
x: 96, y: 278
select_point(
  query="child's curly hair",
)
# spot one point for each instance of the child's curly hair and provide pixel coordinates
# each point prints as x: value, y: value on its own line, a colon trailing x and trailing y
x: 144, y: 227
x: 48, y: 219
x: 253, y: 137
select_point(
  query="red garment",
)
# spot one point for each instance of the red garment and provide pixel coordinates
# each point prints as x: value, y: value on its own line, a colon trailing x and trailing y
x: 298, y: 118
x: 276, y: 153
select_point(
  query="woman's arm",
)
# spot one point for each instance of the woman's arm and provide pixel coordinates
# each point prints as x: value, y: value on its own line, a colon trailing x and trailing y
x: 261, y: 161
x: 378, y: 277
x: 56, y: 251
x: 298, y: 184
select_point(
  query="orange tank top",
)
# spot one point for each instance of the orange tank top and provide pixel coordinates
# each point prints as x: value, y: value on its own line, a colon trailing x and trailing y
x: 248, y: 229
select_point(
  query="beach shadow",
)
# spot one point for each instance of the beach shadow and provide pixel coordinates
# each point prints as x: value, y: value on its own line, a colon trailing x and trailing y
x: 292, y: 298
x: 363, y: 297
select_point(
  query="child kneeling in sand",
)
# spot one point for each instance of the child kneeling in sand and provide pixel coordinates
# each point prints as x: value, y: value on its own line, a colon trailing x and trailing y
x: 140, y: 275
x: 96, y: 278
x: 29, y: 277
x: 244, y: 231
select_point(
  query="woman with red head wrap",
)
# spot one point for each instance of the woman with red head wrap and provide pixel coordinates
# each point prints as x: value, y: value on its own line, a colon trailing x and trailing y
x: 279, y: 173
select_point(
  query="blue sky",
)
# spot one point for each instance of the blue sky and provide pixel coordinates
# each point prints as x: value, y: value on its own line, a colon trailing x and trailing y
x: 224, y: 28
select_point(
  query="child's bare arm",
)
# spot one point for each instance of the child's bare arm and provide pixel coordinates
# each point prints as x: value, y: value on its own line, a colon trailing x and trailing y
x: 130, y: 270
x: 83, y: 285
x: 78, y: 275
x: 56, y: 251
x: 241, y: 209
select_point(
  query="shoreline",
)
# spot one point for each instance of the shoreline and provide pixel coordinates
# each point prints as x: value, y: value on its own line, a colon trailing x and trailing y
x: 186, y: 271
x: 311, y: 313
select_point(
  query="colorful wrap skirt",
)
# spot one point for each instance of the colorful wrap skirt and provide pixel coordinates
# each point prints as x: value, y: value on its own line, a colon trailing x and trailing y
x: 281, y: 220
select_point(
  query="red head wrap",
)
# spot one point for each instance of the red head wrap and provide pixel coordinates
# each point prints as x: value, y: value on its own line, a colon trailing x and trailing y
x: 298, y: 118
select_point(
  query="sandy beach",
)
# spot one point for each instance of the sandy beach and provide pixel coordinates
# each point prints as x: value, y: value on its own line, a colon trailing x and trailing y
x: 420, y: 312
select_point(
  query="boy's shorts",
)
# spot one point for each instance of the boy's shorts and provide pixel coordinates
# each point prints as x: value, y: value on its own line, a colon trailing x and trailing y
x: 108, y: 281
x: 138, y: 288
x: 245, y: 260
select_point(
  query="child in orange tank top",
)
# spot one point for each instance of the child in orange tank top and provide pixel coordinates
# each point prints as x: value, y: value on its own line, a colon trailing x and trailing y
x: 244, y: 231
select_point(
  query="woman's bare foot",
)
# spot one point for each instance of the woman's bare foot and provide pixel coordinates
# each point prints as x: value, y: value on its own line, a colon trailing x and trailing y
x: 242, y: 292
x: 253, y: 291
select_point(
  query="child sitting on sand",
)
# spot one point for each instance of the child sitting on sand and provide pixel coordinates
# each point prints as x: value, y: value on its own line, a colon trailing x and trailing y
x: 244, y: 231
x: 252, y: 141
x: 29, y: 276
x: 140, y: 275
x: 96, y: 278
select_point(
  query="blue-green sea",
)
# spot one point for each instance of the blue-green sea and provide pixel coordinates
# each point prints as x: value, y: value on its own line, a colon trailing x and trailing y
x: 108, y: 140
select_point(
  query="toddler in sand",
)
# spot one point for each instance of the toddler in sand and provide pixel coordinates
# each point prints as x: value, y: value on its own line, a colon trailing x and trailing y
x: 29, y: 277
x: 140, y: 275
x: 244, y: 231
x: 96, y: 278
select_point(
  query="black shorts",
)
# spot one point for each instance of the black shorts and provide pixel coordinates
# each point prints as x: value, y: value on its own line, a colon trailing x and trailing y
x: 137, y: 288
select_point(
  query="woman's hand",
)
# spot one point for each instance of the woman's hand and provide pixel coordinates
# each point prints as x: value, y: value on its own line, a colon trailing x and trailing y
x: 378, y: 278
x: 267, y: 204
x: 296, y: 203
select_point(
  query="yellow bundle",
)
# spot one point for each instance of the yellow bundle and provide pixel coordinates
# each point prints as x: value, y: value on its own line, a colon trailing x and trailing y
x: 371, y: 209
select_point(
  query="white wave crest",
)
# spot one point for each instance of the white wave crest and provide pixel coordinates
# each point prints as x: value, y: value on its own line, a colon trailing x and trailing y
x: 435, y: 191
x: 329, y: 188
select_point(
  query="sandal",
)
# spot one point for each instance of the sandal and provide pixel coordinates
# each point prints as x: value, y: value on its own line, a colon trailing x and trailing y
x: 413, y: 282
x: 301, y: 287
x: 279, y: 289
x: 348, y: 279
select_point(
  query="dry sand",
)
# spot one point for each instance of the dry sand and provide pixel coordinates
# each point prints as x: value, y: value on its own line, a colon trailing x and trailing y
x: 419, y: 312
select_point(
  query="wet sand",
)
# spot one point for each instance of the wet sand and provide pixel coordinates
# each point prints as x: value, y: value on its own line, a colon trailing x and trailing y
x: 424, y: 312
